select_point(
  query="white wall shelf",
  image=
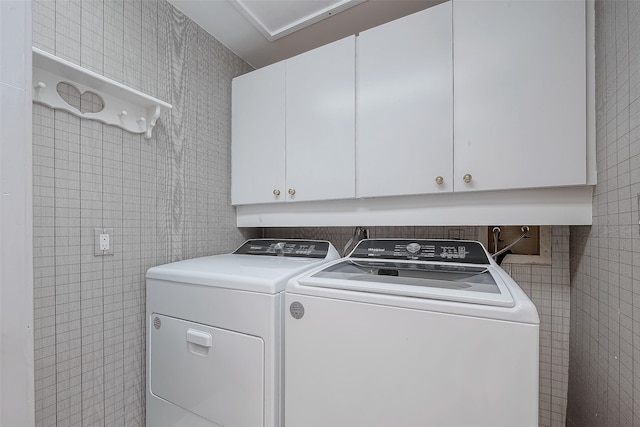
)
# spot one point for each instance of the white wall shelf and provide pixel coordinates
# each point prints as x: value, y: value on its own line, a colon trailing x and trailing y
x: 124, y: 107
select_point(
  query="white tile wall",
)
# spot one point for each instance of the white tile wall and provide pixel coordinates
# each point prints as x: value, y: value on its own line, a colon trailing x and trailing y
x: 604, y: 385
x: 166, y: 198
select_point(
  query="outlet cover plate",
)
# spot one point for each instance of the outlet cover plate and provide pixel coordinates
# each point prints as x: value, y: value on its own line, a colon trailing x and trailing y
x: 97, y: 250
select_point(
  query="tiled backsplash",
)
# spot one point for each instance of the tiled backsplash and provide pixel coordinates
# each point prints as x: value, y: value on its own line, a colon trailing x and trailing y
x: 166, y: 199
x: 547, y: 286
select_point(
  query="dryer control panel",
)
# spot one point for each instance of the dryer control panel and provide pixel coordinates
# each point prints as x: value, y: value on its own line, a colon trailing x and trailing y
x: 287, y: 248
x: 459, y: 251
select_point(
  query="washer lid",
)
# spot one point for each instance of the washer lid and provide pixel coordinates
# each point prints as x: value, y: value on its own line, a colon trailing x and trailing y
x: 477, y: 284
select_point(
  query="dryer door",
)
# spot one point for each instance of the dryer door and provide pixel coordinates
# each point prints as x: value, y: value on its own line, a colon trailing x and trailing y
x: 214, y: 373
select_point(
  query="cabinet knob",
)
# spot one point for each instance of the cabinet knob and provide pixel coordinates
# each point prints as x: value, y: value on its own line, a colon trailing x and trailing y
x: 467, y: 178
x: 276, y: 192
x: 439, y: 180
x: 291, y: 191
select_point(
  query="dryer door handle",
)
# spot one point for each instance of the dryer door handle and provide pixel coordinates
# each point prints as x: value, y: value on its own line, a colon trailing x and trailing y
x: 201, y: 338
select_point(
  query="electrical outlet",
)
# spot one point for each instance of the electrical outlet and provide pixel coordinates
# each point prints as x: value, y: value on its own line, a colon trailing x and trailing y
x: 103, y: 241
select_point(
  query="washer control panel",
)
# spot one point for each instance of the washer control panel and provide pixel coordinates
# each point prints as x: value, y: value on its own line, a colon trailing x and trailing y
x: 286, y: 248
x: 459, y: 251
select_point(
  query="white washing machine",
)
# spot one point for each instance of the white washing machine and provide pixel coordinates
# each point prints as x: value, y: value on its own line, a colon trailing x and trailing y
x: 214, y: 330
x: 408, y: 333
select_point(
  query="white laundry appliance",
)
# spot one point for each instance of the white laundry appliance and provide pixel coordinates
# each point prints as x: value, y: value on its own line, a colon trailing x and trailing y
x: 410, y: 333
x: 214, y: 330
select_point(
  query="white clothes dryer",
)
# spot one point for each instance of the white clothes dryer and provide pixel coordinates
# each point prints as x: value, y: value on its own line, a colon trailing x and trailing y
x: 214, y: 330
x: 410, y: 333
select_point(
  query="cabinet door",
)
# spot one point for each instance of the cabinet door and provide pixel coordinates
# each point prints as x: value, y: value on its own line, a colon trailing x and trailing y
x: 320, y: 123
x: 520, y: 94
x: 405, y: 106
x: 258, y: 131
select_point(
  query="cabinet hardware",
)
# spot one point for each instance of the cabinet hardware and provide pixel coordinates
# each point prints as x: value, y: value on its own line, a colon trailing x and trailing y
x: 439, y: 180
x: 276, y: 192
x: 467, y: 178
x: 292, y: 191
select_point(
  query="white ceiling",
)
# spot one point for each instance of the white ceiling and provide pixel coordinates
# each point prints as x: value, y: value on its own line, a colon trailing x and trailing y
x: 276, y: 19
x: 266, y: 31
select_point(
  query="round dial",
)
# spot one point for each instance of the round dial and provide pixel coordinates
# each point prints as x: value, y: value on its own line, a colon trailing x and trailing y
x: 413, y: 248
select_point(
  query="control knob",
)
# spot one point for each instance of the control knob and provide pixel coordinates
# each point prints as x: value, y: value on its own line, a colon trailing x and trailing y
x: 413, y: 248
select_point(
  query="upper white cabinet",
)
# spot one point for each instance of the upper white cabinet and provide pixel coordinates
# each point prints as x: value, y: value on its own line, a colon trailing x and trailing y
x: 320, y: 123
x: 405, y: 106
x: 293, y: 127
x: 258, y: 127
x: 520, y: 94
x: 469, y: 112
